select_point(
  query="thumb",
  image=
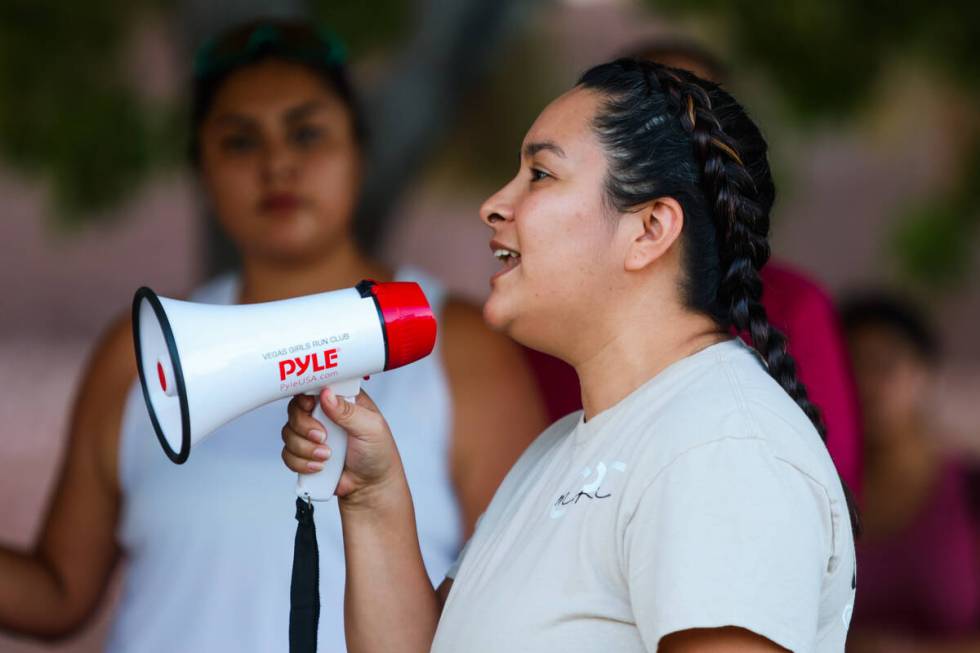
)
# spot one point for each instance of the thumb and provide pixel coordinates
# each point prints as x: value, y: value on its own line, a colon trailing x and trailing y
x: 364, y: 399
x: 357, y: 418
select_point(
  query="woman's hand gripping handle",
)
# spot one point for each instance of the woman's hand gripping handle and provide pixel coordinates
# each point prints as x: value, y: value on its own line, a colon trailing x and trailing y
x: 337, y: 444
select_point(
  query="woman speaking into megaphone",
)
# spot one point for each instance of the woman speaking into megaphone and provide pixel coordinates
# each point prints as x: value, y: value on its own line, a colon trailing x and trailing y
x: 208, y: 546
x: 692, y: 505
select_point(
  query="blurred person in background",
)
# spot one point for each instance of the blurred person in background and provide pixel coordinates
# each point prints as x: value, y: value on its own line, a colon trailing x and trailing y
x: 919, y: 568
x: 277, y: 143
x: 795, y: 303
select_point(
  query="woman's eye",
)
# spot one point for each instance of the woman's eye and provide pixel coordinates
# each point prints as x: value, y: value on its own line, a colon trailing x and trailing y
x: 239, y: 143
x: 306, y: 135
x: 538, y: 175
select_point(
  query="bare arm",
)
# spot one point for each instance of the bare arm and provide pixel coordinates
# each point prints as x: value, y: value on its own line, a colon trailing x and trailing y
x: 895, y: 641
x: 442, y: 592
x: 390, y: 605
x: 717, y: 640
x: 50, y: 590
x: 486, y: 370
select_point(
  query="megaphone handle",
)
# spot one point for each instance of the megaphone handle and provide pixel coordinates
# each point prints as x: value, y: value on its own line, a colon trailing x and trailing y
x: 321, y: 485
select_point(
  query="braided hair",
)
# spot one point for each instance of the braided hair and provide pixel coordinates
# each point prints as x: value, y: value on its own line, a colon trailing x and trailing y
x: 667, y: 132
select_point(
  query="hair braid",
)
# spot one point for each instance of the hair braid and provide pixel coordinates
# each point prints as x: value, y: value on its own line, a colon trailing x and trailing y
x: 743, y: 227
x: 668, y: 133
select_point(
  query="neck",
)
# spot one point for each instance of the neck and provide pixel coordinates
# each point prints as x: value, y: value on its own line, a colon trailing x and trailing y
x: 266, y: 280
x: 633, y: 356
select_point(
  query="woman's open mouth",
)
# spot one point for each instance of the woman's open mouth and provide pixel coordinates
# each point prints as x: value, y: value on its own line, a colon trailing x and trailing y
x: 509, y: 257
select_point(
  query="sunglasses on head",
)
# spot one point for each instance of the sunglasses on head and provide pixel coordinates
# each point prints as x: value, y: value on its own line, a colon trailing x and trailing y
x: 292, y: 40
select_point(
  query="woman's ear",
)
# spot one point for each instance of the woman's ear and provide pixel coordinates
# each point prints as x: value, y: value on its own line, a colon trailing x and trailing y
x: 657, y: 225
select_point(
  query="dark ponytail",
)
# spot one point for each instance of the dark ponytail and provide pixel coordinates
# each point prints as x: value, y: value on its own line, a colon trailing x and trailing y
x: 670, y: 133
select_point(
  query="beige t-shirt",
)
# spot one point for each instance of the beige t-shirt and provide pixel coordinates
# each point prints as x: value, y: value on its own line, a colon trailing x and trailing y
x: 703, y: 499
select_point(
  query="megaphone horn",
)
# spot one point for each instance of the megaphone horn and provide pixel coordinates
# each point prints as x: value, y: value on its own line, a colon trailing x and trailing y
x: 202, y: 365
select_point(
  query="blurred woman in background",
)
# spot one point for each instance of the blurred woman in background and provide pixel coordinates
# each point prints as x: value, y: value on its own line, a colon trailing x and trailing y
x: 918, y: 557
x: 277, y: 144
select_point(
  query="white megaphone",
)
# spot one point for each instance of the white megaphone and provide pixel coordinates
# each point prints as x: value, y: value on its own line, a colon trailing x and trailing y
x: 202, y: 365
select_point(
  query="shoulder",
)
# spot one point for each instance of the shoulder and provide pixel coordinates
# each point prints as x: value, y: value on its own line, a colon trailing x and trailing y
x: 112, y: 363
x: 741, y: 519
x: 496, y: 405
x: 770, y: 414
x: 220, y: 289
x: 742, y: 481
x: 467, y: 341
x: 487, y: 367
x: 732, y: 399
x: 101, y: 394
x: 745, y: 465
x: 755, y: 542
x: 758, y: 521
x: 463, y: 320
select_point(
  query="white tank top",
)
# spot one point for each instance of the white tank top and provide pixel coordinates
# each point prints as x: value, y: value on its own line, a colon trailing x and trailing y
x: 209, y: 544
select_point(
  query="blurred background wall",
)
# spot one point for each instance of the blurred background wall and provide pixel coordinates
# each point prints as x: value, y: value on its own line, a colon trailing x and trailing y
x: 874, y: 135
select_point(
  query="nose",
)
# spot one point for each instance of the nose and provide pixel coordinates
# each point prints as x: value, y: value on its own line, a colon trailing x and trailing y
x: 279, y: 162
x: 498, y: 208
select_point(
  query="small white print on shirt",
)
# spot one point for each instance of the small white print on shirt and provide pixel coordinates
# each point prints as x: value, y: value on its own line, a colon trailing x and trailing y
x: 591, y: 490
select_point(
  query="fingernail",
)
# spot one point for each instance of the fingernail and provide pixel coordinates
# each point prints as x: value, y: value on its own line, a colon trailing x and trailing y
x: 321, y: 452
x: 314, y: 467
x: 317, y: 435
x: 330, y: 396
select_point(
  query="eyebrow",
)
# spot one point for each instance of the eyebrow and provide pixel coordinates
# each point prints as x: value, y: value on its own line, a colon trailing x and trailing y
x: 234, y: 119
x: 294, y: 114
x: 533, y: 148
x: 304, y: 110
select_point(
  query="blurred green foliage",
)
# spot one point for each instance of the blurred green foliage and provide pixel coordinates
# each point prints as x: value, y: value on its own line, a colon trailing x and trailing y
x: 366, y: 26
x: 929, y: 244
x: 935, y: 242
x: 65, y: 110
x: 826, y: 57
x: 69, y: 113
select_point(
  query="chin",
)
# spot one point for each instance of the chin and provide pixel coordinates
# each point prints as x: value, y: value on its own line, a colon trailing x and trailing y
x: 503, y: 319
x: 495, y: 315
x: 533, y: 331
